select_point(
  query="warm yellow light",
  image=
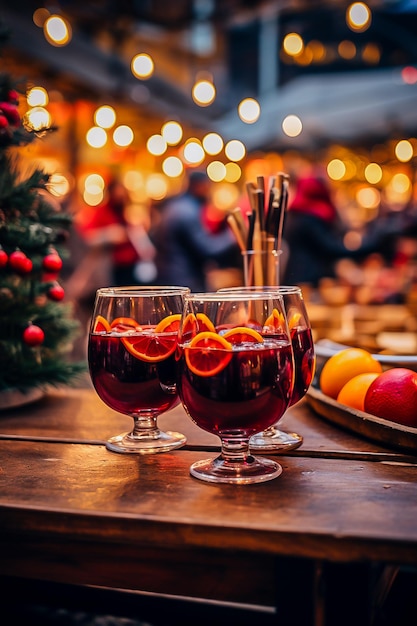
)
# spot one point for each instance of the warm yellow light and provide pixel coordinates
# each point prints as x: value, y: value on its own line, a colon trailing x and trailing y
x: 358, y: 17
x: 123, y: 136
x: 105, y: 116
x: 203, y: 93
x: 58, y: 185
x: 38, y: 119
x: 249, y: 110
x: 37, y: 96
x: 216, y: 171
x: 193, y: 152
x: 233, y: 173
x: 336, y: 169
x: 293, y: 44
x: 172, y: 166
x: 96, y: 137
x: 133, y: 180
x: 156, y: 187
x: 347, y: 49
x: 401, y: 183
x: 235, y: 150
x: 156, y: 145
x: 57, y: 30
x: 93, y: 183
x: 292, y: 126
x: 172, y: 133
x: 368, y: 197
x: 93, y: 199
x: 142, y: 66
x: 404, y: 151
x: 225, y: 196
x: 373, y: 173
x: 40, y: 16
x: 213, y: 143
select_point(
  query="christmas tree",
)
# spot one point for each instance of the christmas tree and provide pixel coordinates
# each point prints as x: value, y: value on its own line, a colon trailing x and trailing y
x: 36, y: 327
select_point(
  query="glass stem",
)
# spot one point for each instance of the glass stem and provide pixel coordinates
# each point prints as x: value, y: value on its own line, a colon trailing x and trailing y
x: 145, y: 426
x: 235, y: 450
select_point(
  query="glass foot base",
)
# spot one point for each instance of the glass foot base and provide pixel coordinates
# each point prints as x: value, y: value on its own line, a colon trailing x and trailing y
x: 220, y: 470
x: 127, y: 444
x: 274, y: 440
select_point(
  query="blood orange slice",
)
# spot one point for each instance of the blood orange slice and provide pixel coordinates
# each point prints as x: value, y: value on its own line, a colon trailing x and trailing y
x: 208, y: 354
x: 122, y: 324
x: 169, y: 324
x: 149, y: 346
x: 101, y: 325
x: 294, y: 320
x: 243, y: 334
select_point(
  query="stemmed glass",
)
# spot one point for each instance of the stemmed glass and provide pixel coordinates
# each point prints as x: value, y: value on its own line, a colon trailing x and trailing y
x: 235, y: 377
x: 273, y: 439
x: 131, y: 356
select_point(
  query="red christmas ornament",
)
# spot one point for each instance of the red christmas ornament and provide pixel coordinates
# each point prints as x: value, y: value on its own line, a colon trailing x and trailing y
x: 52, y: 262
x: 3, y: 258
x: 33, y: 335
x: 3, y: 121
x: 19, y: 262
x: 56, y: 292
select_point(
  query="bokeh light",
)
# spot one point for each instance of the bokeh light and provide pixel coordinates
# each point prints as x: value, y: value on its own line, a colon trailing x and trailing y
x: 249, y: 110
x: 292, y: 126
x: 123, y: 136
x: 105, y: 116
x: 142, y: 66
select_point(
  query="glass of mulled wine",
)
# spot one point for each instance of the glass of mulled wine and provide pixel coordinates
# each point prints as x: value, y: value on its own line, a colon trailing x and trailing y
x: 131, y: 357
x: 273, y: 439
x: 235, y: 377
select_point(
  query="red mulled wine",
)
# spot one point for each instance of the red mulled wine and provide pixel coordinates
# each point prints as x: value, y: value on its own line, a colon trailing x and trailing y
x: 305, y: 361
x: 249, y: 394
x: 126, y: 383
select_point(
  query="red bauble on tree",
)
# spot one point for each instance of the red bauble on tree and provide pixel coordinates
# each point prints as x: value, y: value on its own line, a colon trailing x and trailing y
x: 3, y: 257
x: 33, y: 335
x: 20, y: 263
x: 52, y: 262
x: 56, y: 292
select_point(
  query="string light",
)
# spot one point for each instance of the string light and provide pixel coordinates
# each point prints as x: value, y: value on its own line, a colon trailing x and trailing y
x: 57, y: 30
x: 249, y: 110
x: 105, y: 116
x: 203, y: 93
x: 142, y: 66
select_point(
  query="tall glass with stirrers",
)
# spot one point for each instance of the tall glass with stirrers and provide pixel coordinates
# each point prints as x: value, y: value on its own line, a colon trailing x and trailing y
x: 235, y: 377
x: 273, y: 439
x: 131, y: 355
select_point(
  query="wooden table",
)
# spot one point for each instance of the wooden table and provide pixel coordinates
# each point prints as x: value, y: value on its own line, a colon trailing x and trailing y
x: 315, y: 546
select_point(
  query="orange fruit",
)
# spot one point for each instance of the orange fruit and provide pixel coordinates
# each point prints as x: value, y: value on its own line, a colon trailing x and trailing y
x: 343, y: 366
x: 199, y: 322
x: 149, y: 346
x: 208, y: 354
x: 101, y: 325
x: 169, y: 324
x: 393, y: 396
x: 354, y: 391
x: 243, y: 334
x: 122, y: 324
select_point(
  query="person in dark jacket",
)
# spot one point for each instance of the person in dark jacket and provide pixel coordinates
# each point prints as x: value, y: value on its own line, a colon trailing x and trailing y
x: 184, y: 246
x: 311, y: 232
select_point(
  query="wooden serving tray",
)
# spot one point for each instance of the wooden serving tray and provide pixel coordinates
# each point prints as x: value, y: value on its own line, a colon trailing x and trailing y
x: 375, y: 428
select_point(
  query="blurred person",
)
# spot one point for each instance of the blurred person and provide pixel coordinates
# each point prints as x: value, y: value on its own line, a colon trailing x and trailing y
x: 185, y: 247
x: 313, y: 235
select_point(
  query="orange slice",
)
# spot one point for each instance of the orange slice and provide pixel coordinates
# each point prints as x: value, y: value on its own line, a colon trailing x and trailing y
x: 205, y: 323
x: 275, y: 321
x: 150, y: 346
x: 294, y: 320
x: 243, y: 334
x: 101, y: 325
x: 169, y: 324
x: 208, y: 354
x: 122, y: 324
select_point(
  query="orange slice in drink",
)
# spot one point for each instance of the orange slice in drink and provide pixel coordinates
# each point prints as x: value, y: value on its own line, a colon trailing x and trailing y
x: 169, y: 324
x: 122, y: 324
x: 274, y: 322
x: 294, y: 320
x: 101, y: 325
x: 149, y: 346
x: 205, y: 323
x: 243, y: 334
x: 208, y: 354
